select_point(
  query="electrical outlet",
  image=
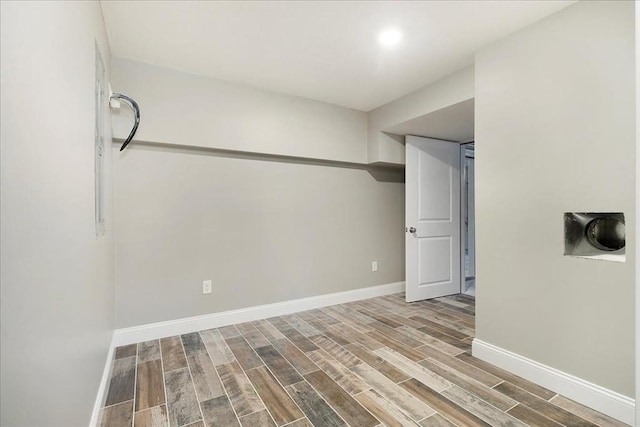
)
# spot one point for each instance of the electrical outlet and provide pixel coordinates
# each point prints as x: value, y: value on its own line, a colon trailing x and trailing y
x: 374, y: 266
x: 206, y: 287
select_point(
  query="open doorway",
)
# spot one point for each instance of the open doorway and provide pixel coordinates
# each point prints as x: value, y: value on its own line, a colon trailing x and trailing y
x: 435, y: 223
x: 467, y: 163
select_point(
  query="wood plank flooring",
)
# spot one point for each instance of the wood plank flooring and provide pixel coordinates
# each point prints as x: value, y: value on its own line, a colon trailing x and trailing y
x: 377, y: 362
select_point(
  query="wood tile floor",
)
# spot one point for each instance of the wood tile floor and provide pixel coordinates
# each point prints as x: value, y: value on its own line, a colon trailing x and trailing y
x: 374, y: 362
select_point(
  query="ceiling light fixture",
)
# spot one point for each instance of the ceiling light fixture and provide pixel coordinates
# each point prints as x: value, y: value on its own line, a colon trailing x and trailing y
x: 390, y: 37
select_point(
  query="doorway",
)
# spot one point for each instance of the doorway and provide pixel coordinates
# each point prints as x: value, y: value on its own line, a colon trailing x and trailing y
x: 432, y: 218
x: 439, y: 218
x: 467, y: 163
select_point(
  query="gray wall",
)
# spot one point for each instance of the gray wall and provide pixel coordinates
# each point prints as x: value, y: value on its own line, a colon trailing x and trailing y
x: 187, y: 109
x: 57, y: 300
x: 555, y: 133
x: 637, y: 237
x: 262, y: 231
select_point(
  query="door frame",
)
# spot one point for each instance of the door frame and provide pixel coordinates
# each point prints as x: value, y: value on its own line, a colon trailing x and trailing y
x: 463, y: 206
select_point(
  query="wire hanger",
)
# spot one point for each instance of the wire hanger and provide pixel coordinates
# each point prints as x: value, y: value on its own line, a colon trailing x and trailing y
x: 115, y: 103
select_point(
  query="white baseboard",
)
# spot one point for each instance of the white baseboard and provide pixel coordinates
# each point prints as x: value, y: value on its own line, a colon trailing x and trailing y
x: 198, y: 323
x: 104, y: 383
x: 599, y: 398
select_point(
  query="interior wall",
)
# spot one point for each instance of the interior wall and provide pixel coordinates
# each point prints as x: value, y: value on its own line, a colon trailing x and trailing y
x: 555, y: 133
x: 637, y: 237
x: 187, y: 109
x: 57, y: 302
x: 261, y: 228
x: 263, y: 231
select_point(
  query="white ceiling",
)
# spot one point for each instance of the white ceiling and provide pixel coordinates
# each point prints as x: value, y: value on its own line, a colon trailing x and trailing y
x: 326, y: 51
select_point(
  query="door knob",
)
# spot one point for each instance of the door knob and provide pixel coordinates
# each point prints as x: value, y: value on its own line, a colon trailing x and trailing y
x: 411, y: 229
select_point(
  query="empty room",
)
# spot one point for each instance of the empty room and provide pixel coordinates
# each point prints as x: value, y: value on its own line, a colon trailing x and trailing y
x: 269, y: 213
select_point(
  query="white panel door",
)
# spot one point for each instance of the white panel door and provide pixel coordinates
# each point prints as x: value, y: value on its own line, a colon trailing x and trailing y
x: 432, y: 218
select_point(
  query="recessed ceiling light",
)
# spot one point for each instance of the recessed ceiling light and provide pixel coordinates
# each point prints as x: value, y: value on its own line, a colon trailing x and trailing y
x: 390, y: 37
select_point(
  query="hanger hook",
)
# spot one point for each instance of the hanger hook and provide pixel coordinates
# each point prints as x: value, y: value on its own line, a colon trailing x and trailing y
x: 136, y: 109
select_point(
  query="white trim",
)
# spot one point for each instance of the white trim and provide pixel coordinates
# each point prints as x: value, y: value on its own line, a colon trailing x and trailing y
x: 594, y: 396
x: 104, y: 382
x: 215, y: 320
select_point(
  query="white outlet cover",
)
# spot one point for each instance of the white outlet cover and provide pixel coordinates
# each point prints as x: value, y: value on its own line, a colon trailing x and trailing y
x: 374, y: 266
x: 206, y: 287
